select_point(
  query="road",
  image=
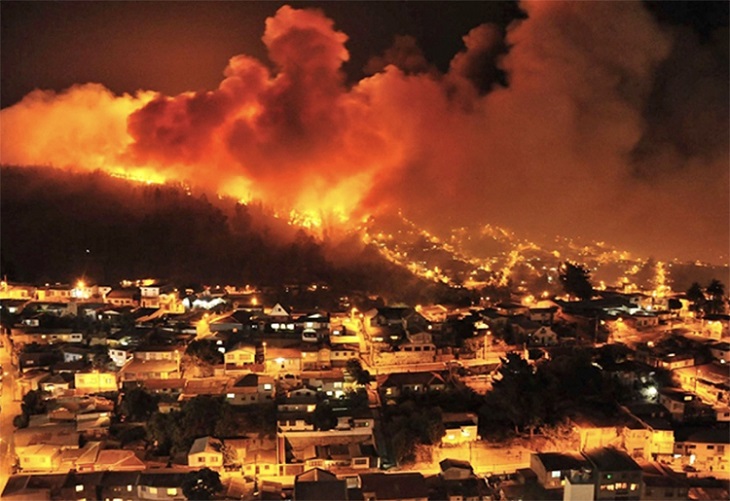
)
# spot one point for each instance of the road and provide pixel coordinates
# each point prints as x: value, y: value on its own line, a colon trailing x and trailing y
x: 8, y: 410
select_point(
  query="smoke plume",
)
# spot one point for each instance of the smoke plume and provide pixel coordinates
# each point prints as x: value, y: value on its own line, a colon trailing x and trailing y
x: 610, y: 127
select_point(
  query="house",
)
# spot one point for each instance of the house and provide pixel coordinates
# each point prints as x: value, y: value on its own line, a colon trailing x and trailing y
x: 56, y: 384
x: 17, y: 291
x: 710, y: 382
x: 340, y: 354
x: 241, y: 357
x: 399, y: 383
x: 552, y: 468
x: 302, y: 399
x: 715, y: 326
x: 460, y: 428
x: 294, y: 422
x: 33, y: 487
x: 163, y: 296
x: 121, y: 354
x: 206, y: 452
x: 617, y: 475
x: 655, y: 419
x: 81, y: 486
x: 40, y: 335
x: 316, y: 357
x: 331, y: 383
x: 40, y: 457
x: 55, y: 292
x: 334, y: 453
x: 73, y: 353
x: 705, y: 449
x: 512, y: 309
x: 95, y: 382
x: 39, y: 448
x: 642, y: 320
x: 680, y: 404
x: 119, y: 485
x: 170, y: 353
x: 160, y: 486
x: 283, y: 360
x: 172, y: 387
x: 317, y: 321
x: 257, y: 454
x: 597, y: 428
x: 319, y: 485
x: 544, y: 336
x: 393, y: 487
x: 117, y: 460
x: 141, y: 370
x: 721, y: 352
x: 129, y: 296
x: 454, y: 469
x: 660, y: 485
x: 209, y: 386
x: 250, y: 389
x: 543, y: 315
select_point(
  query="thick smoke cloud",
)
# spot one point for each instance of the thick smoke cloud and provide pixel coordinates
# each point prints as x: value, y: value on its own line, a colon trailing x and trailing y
x: 600, y: 132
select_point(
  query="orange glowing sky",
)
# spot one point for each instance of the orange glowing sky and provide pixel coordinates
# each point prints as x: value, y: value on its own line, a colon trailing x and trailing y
x: 600, y: 133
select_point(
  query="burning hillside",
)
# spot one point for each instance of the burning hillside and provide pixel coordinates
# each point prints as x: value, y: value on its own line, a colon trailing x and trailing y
x: 565, y: 145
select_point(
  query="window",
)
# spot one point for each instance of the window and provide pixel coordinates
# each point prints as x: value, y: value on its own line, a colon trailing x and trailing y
x: 153, y: 490
x: 721, y: 449
x: 555, y: 474
x: 129, y: 488
x: 633, y: 487
x: 79, y: 488
x: 267, y: 387
x: 710, y: 447
x: 172, y: 491
x: 201, y: 459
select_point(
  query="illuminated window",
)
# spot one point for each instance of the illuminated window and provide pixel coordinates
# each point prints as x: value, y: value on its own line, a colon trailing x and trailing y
x: 231, y: 395
x: 555, y: 474
x: 171, y: 491
x: 129, y: 488
x: 153, y: 490
x: 633, y: 487
x: 267, y: 387
x: 79, y: 488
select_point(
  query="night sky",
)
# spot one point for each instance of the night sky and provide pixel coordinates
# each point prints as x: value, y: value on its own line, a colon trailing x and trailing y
x: 602, y: 120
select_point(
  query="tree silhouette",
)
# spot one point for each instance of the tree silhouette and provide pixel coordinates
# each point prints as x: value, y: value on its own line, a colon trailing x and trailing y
x: 576, y: 280
x: 697, y: 297
x: 361, y: 376
x: 138, y: 405
x: 519, y: 394
x: 716, y: 290
x: 202, y: 484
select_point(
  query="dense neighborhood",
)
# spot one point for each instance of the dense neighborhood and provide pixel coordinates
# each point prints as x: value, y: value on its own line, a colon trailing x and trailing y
x: 159, y: 391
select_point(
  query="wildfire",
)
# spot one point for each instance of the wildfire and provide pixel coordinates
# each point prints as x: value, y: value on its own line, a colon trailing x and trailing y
x: 137, y: 175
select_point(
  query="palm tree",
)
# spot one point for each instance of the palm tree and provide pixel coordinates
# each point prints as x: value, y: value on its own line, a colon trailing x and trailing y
x: 716, y: 290
x: 697, y: 296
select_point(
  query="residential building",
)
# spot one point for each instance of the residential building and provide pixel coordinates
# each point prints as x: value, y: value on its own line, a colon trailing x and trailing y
x: 206, y: 452
x: 460, y: 428
x: 705, y: 449
x: 552, y: 468
x: 393, y: 487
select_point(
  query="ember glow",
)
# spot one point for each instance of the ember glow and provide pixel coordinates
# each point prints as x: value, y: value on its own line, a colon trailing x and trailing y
x: 567, y: 147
